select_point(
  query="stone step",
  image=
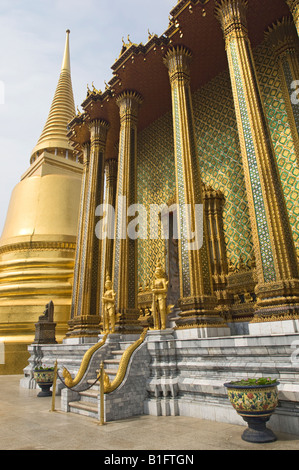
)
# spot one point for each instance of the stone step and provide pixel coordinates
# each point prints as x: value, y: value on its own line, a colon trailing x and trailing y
x: 209, y: 367
x: 112, y: 361
x: 124, y: 345
x: 118, y: 352
x: 111, y: 367
x: 90, y: 395
x: 84, y: 408
x: 96, y: 385
x: 108, y: 372
x: 111, y: 371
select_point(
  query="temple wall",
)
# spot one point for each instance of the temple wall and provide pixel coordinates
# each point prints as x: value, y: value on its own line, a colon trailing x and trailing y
x: 220, y: 160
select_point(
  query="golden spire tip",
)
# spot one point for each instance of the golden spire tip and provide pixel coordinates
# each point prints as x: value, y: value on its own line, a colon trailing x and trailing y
x: 66, y: 57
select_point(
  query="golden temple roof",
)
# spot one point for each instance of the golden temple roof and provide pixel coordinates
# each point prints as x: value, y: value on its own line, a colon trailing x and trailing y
x: 54, y: 134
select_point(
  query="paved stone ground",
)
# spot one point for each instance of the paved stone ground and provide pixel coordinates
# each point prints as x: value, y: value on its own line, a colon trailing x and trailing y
x: 26, y: 423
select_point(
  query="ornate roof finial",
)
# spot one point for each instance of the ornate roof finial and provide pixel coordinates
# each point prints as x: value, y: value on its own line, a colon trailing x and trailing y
x: 66, y: 63
x: 61, y: 112
x: 150, y: 35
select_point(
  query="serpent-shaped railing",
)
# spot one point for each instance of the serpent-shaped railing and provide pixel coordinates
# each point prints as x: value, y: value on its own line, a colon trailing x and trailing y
x: 68, y: 380
x: 123, y: 365
x: 109, y: 386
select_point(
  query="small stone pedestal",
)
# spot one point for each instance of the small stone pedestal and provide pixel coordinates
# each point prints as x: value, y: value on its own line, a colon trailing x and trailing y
x: 45, y: 327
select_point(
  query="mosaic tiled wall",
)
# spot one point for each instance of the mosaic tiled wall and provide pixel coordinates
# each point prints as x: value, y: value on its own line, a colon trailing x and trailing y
x: 155, y: 185
x: 280, y: 132
x: 220, y: 160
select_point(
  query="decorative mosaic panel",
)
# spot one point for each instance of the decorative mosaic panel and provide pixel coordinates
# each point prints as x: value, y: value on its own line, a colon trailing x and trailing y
x: 155, y: 185
x: 280, y: 131
x: 220, y: 160
x: 289, y: 78
x: 119, y: 221
x: 220, y: 166
x: 260, y: 212
x: 182, y: 202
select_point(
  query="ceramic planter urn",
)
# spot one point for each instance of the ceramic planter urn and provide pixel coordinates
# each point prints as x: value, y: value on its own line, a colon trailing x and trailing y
x: 256, y: 404
x: 44, y: 379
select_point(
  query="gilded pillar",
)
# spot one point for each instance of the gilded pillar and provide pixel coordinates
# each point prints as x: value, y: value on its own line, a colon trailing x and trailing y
x: 197, y: 299
x: 124, y: 270
x: 294, y: 8
x: 85, y: 301
x: 107, y: 241
x: 276, y: 264
x: 284, y: 39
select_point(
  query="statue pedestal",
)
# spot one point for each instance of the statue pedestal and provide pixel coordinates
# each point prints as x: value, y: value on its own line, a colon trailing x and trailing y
x: 275, y: 327
x: 160, y: 335
x: 202, y: 332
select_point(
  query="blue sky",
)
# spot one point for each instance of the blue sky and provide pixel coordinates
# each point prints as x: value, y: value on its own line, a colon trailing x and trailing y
x: 32, y: 37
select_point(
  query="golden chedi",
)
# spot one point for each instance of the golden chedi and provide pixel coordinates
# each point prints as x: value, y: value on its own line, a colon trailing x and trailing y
x: 37, y: 246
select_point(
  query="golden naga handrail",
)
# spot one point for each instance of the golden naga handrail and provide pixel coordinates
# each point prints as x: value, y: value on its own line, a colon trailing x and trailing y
x: 69, y: 381
x: 122, y: 369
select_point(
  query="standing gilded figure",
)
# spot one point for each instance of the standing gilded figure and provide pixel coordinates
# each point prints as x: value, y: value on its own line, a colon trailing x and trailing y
x: 108, y: 307
x: 159, y: 289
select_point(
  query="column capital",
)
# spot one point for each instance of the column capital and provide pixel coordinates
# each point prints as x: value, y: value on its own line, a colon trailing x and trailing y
x: 111, y: 168
x: 232, y: 16
x: 98, y: 129
x: 177, y: 60
x: 283, y: 36
x: 129, y: 102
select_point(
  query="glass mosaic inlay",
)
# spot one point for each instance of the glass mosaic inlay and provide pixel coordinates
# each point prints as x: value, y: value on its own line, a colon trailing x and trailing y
x: 119, y: 215
x: 280, y: 130
x: 220, y: 160
x: 289, y: 80
x: 263, y: 231
x: 181, y: 201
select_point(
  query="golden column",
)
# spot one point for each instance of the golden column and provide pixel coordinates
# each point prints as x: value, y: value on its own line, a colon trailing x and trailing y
x: 124, y: 270
x: 197, y: 299
x: 284, y: 39
x: 107, y: 242
x: 294, y: 7
x: 276, y: 265
x: 85, y: 301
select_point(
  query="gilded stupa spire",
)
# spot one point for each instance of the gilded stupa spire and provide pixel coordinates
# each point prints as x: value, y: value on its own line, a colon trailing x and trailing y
x: 54, y: 135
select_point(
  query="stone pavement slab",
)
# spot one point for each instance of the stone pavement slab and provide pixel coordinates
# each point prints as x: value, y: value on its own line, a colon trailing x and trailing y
x: 28, y: 424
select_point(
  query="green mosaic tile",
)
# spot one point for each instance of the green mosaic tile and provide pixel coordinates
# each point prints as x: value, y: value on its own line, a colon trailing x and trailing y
x: 220, y: 160
x: 221, y: 165
x: 280, y: 132
x: 155, y: 185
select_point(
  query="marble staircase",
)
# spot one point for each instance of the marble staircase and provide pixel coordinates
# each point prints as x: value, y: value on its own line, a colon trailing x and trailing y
x: 87, y: 402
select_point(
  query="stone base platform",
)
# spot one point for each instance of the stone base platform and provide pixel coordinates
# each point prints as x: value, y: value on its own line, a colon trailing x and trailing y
x: 183, y: 373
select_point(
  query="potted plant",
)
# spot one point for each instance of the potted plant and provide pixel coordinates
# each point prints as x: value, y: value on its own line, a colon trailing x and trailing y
x: 255, y: 400
x: 44, y: 376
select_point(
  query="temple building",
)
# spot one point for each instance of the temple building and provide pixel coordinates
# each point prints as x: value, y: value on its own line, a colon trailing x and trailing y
x: 205, y: 115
